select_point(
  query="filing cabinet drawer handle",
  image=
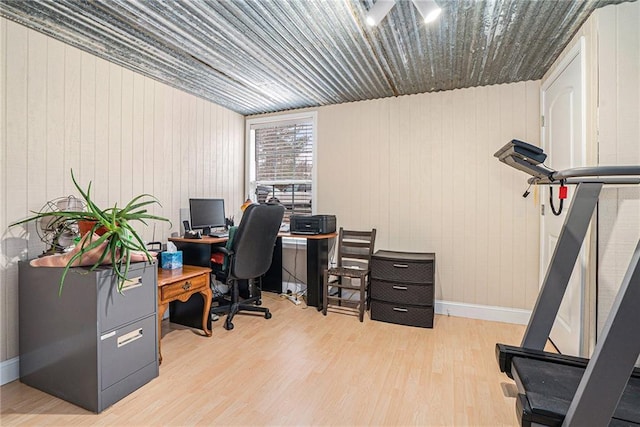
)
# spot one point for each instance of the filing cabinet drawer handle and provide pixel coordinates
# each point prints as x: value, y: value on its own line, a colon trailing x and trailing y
x: 403, y: 310
x: 186, y: 286
x: 400, y: 288
x: 401, y: 265
x: 107, y: 335
x: 130, y: 337
x: 134, y: 282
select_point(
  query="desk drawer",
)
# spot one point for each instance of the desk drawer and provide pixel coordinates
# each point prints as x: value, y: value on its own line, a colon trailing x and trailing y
x: 402, y: 293
x: 402, y: 314
x: 183, y: 287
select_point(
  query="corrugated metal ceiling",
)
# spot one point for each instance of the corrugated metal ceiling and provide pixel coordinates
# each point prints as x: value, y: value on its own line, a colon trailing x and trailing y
x: 256, y: 56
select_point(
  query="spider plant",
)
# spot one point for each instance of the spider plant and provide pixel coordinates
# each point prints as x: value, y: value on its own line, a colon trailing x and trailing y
x: 120, y: 238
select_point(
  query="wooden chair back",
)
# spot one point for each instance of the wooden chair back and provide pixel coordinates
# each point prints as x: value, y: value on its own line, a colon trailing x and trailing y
x: 355, y: 248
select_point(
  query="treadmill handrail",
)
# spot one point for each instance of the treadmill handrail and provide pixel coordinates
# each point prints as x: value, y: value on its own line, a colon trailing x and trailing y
x: 619, y: 174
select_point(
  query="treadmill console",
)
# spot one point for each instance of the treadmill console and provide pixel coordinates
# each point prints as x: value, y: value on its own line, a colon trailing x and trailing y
x: 525, y: 157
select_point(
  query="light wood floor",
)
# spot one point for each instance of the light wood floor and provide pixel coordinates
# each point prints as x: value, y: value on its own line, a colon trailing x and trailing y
x: 301, y: 368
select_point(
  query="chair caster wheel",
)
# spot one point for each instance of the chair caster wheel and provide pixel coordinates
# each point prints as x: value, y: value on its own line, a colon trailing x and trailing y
x: 267, y: 315
x: 228, y: 326
x: 259, y: 302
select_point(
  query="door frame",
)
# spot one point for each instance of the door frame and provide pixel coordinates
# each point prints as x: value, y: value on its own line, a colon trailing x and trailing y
x: 589, y: 284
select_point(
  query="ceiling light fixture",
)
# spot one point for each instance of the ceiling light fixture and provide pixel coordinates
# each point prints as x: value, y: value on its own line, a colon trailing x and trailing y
x: 429, y: 10
x: 379, y: 11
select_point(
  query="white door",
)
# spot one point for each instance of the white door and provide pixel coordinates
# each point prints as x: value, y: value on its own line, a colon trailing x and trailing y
x: 564, y: 142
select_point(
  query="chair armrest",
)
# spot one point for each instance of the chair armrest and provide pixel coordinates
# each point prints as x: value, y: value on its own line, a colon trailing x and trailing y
x: 227, y: 252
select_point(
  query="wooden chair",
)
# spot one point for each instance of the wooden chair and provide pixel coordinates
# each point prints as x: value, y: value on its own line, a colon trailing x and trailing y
x: 354, y: 253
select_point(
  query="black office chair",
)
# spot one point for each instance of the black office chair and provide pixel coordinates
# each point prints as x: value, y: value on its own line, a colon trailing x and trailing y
x: 249, y: 258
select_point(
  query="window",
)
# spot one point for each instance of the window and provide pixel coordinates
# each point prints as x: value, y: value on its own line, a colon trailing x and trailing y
x: 281, y: 157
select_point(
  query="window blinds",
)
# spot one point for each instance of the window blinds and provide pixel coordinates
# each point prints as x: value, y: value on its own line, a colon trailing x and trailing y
x: 284, y: 153
x: 284, y: 164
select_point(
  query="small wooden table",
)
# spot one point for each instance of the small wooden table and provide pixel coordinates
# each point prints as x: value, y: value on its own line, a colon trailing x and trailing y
x: 179, y: 284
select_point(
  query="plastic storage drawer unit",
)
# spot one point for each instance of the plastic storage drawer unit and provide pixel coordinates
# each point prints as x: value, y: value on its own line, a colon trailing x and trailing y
x: 402, y: 288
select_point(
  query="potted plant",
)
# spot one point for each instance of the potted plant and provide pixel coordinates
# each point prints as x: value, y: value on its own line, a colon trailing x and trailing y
x: 116, y: 242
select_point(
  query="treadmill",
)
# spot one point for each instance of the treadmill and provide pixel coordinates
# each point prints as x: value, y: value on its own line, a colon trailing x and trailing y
x: 560, y: 390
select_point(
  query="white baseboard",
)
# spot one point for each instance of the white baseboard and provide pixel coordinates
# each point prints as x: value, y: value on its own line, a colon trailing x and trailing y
x: 483, y: 312
x: 9, y: 370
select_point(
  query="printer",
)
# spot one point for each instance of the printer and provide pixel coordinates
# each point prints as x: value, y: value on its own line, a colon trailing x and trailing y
x: 312, y: 224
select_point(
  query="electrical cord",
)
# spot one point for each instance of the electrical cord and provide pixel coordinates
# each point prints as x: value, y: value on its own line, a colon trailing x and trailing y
x: 295, y: 297
x: 331, y: 251
x: 553, y: 208
x: 298, y: 281
x: 295, y: 265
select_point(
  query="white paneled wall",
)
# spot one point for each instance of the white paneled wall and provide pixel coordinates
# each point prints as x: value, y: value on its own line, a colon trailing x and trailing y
x: 63, y: 108
x: 619, y: 144
x: 421, y: 170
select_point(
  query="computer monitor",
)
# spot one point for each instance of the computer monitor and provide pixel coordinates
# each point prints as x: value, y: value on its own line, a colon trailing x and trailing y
x: 207, y: 214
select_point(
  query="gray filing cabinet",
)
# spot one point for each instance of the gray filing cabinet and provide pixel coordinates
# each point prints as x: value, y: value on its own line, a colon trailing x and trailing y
x: 91, y: 345
x: 402, y: 287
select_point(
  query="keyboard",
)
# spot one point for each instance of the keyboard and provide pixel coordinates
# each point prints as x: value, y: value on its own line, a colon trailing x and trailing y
x: 219, y: 235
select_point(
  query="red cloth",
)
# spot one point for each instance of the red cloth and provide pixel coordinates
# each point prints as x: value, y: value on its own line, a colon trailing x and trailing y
x: 218, y: 258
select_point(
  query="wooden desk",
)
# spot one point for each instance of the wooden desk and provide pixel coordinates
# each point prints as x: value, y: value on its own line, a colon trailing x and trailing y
x: 206, y: 240
x: 210, y: 240
x: 178, y: 285
x: 309, y: 236
x: 198, y: 252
